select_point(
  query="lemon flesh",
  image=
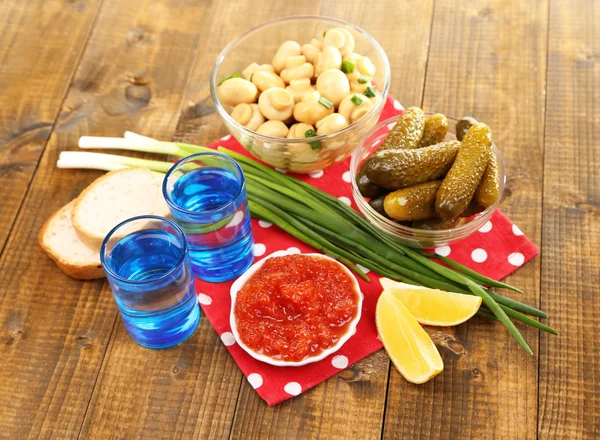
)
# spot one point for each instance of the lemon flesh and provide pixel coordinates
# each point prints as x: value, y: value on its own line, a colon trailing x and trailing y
x: 432, y: 306
x: 409, y: 347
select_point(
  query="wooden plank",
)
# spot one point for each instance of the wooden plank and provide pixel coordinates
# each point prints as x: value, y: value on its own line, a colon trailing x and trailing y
x: 55, y: 330
x: 357, y: 393
x: 487, y: 59
x: 570, y: 364
x: 37, y: 60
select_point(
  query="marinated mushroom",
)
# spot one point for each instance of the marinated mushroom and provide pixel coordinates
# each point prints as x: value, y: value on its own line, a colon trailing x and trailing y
x: 311, y: 110
x: 298, y: 131
x: 329, y: 58
x: 333, y: 85
x: 299, y: 87
x: 276, y: 103
x: 296, y: 67
x: 248, y: 115
x: 235, y: 91
x: 264, y: 80
x: 254, y: 67
x: 310, y: 52
x: 287, y: 49
x: 330, y: 124
x: 273, y: 129
x: 354, y: 106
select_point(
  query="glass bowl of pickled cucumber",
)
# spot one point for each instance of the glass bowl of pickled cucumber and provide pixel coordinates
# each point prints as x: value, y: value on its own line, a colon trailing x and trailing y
x: 300, y: 92
x: 427, y: 195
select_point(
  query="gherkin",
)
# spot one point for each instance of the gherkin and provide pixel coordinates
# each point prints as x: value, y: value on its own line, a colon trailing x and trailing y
x: 463, y: 126
x: 413, y: 203
x: 459, y: 185
x: 488, y: 190
x: 365, y: 186
x: 377, y: 204
x: 401, y: 168
x: 407, y: 132
x: 434, y: 131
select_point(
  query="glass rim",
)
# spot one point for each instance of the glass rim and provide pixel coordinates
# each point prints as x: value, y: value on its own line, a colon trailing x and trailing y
x: 192, y: 157
x: 171, y: 223
x: 391, y: 227
x: 381, y: 98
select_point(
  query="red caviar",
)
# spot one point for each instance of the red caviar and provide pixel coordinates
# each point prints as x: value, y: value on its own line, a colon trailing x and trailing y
x: 295, y: 306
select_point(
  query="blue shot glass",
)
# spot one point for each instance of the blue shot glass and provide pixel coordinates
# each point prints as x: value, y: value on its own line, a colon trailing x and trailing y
x: 206, y: 193
x: 147, y: 265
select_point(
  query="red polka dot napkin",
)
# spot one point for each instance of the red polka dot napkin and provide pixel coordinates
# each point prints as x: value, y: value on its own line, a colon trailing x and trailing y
x: 496, y: 250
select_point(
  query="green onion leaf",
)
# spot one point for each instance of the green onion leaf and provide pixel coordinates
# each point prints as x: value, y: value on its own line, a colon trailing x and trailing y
x: 324, y: 33
x: 235, y: 75
x: 355, y: 99
x: 347, y: 66
x: 313, y: 145
x: 363, y: 79
x: 371, y: 92
x: 325, y: 102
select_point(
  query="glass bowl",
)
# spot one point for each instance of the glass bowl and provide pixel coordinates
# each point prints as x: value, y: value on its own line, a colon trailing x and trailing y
x: 259, y: 45
x: 414, y: 237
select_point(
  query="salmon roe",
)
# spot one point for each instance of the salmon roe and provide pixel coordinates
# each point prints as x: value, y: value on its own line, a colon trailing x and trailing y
x: 295, y: 306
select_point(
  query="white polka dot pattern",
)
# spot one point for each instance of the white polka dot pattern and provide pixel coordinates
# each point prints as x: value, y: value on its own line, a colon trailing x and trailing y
x: 346, y: 177
x: 316, y: 174
x: 339, y: 361
x: 487, y: 227
x: 259, y: 249
x: 444, y: 251
x: 293, y: 250
x: 516, y: 230
x: 345, y: 200
x: 255, y: 380
x: 204, y: 299
x: 479, y: 255
x: 264, y: 224
x: 293, y: 388
x: 228, y: 339
x: 516, y: 259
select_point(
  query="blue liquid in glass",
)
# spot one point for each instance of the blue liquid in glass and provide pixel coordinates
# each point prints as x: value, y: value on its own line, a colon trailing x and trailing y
x: 163, y: 311
x: 216, y: 222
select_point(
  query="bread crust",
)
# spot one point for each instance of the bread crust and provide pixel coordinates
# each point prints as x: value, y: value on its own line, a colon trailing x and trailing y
x: 80, y: 272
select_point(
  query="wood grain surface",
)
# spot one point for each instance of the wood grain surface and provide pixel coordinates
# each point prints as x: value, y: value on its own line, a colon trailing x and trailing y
x: 68, y: 369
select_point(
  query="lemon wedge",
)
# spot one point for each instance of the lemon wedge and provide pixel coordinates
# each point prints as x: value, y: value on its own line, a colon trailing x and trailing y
x: 409, y: 347
x: 432, y: 306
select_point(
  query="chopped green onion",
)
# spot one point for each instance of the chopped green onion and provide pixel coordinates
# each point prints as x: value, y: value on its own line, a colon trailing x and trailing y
x: 313, y: 145
x: 251, y: 76
x: 370, y: 92
x: 325, y: 102
x: 235, y: 75
x: 324, y: 33
x: 347, y: 66
x: 355, y: 99
x: 363, y: 79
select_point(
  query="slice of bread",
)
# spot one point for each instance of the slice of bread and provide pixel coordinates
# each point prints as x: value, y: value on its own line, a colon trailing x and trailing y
x: 60, y: 241
x: 115, y: 197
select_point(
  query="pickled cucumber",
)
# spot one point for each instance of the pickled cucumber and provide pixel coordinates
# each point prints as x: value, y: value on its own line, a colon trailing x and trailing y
x: 463, y: 126
x: 472, y: 209
x: 413, y: 203
x: 407, y: 132
x: 488, y: 190
x: 401, y: 168
x: 377, y: 204
x: 434, y: 131
x: 365, y: 186
x: 459, y: 185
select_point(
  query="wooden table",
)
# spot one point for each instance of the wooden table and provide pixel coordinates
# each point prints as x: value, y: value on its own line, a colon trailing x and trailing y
x: 529, y: 68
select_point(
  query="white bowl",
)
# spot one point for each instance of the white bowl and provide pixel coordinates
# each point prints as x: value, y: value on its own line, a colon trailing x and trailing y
x: 239, y: 283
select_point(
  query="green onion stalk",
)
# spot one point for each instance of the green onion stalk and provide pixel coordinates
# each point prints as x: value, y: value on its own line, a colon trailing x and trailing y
x: 327, y: 224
